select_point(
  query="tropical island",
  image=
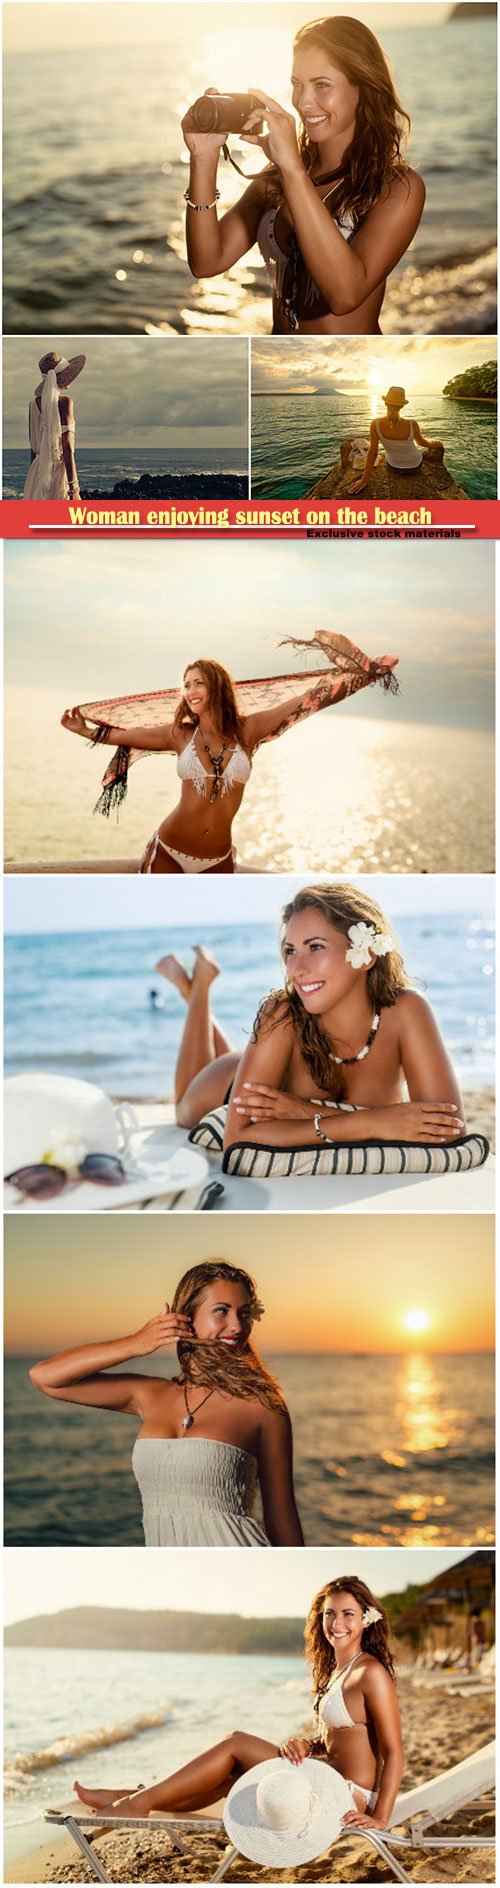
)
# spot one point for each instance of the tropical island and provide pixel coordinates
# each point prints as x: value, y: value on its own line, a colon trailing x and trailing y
x: 477, y: 383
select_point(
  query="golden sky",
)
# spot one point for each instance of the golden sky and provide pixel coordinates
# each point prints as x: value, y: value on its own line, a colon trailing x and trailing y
x: 387, y: 1283
x: 365, y: 365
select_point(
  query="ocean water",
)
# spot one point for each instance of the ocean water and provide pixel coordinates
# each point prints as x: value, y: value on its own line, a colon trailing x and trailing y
x: 389, y: 1451
x: 80, y: 1004
x: 94, y: 238
x: 100, y: 470
x: 295, y: 441
x: 80, y: 1713
x: 400, y: 797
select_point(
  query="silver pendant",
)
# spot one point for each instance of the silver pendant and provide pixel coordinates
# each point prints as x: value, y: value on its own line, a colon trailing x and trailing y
x: 187, y: 1421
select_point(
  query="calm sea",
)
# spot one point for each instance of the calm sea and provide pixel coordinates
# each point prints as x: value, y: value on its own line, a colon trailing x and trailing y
x: 295, y: 441
x: 139, y: 1714
x: 101, y: 470
x: 400, y: 797
x: 416, y: 1465
x: 94, y: 190
x: 80, y: 1004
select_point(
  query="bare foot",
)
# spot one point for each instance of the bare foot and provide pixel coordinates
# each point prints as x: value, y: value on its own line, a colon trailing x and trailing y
x: 205, y: 965
x: 172, y: 968
x: 95, y: 1799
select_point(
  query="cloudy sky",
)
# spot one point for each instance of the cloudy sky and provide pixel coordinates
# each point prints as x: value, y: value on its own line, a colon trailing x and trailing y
x: 101, y: 617
x: 46, y: 1580
x: 358, y: 365
x: 137, y: 390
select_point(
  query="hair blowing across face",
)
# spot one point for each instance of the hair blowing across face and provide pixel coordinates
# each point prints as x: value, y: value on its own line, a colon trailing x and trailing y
x: 222, y: 703
x: 341, y: 906
x: 239, y: 1373
x: 381, y: 126
x: 375, y: 1639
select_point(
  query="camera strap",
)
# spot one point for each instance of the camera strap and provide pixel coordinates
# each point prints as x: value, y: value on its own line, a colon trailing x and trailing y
x: 250, y: 176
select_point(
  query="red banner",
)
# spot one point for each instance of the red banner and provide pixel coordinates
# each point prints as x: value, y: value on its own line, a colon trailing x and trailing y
x: 253, y: 517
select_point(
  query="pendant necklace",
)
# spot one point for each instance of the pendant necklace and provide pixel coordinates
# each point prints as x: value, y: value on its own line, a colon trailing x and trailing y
x: 188, y: 1419
x: 346, y: 1061
x: 217, y: 760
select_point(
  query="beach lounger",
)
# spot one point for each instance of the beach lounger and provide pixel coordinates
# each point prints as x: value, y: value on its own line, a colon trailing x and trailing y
x: 418, y: 1820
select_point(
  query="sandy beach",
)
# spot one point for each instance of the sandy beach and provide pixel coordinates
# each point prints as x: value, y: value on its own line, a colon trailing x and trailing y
x: 439, y: 1730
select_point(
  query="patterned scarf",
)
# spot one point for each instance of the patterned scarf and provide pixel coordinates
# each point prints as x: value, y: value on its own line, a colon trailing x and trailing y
x: 348, y: 670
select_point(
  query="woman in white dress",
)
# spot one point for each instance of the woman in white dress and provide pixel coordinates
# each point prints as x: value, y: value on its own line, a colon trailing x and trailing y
x: 198, y: 1489
x: 52, y: 472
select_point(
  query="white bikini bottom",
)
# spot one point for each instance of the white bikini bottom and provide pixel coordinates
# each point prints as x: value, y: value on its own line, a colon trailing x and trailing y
x: 370, y: 1796
x: 186, y: 860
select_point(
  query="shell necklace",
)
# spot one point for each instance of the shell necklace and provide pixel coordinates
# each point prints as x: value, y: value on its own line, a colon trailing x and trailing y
x: 188, y: 1419
x: 346, y: 1061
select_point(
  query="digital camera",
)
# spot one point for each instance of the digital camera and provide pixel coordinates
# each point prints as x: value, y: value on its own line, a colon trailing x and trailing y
x: 223, y: 111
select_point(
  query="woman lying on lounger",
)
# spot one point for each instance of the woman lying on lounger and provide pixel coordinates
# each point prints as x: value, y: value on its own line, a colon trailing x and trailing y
x: 345, y: 1033
x: 196, y: 1492
x: 356, y: 1722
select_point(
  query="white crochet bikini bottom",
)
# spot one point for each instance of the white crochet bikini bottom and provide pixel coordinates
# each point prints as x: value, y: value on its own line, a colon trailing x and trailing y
x: 186, y: 860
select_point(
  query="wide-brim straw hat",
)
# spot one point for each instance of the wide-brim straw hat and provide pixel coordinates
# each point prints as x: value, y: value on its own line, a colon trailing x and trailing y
x: 69, y: 373
x: 66, y: 1118
x: 395, y: 397
x: 281, y: 1814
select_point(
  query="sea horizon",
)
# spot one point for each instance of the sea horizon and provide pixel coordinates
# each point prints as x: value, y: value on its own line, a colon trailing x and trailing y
x: 390, y: 1449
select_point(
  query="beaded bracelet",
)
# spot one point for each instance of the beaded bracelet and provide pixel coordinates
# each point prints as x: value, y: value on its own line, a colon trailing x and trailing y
x: 201, y: 206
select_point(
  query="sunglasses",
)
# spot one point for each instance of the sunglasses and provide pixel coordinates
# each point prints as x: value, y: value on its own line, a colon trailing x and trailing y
x: 43, y: 1181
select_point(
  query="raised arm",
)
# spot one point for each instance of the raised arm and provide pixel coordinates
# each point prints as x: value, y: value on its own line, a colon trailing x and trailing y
x: 275, y: 1460
x: 78, y: 1375
x: 269, y: 722
x: 382, y: 1704
x: 213, y: 244
x: 153, y: 740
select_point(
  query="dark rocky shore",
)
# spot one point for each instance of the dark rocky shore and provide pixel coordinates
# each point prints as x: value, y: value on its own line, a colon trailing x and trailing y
x: 430, y: 480
x: 181, y: 487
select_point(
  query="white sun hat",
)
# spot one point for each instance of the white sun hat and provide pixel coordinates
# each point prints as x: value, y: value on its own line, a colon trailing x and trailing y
x: 59, y: 1120
x: 281, y: 1814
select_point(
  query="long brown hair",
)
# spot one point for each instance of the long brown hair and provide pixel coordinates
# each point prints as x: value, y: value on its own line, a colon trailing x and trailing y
x: 375, y: 1639
x: 342, y: 906
x: 381, y: 126
x: 222, y: 701
x: 241, y: 1373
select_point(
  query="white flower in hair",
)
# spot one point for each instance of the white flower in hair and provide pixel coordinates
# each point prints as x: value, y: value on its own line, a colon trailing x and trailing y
x: 370, y: 1616
x: 366, y: 942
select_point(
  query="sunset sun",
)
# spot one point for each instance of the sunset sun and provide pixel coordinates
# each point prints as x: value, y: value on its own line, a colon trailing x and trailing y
x: 416, y: 1320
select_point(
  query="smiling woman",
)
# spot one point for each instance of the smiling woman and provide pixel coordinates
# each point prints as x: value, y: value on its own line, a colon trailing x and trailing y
x: 336, y: 208
x: 201, y: 1492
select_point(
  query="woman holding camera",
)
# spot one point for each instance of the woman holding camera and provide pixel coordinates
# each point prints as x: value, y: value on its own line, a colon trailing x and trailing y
x: 214, y: 740
x: 337, y: 206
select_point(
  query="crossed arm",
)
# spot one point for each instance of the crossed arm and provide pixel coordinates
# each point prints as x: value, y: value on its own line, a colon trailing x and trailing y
x: 262, y: 1108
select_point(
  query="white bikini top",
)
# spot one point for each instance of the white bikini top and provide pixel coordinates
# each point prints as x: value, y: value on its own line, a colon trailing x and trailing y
x: 402, y: 453
x: 332, y: 1709
x: 236, y: 774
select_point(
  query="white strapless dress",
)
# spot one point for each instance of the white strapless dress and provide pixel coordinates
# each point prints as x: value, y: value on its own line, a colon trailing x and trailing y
x: 197, y: 1493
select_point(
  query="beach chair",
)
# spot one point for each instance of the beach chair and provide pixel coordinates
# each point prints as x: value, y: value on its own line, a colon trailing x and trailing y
x: 418, y: 1820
